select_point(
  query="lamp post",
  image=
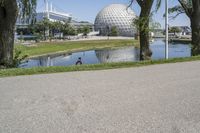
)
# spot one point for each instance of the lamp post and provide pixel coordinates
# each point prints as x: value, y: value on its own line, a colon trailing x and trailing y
x: 166, y: 31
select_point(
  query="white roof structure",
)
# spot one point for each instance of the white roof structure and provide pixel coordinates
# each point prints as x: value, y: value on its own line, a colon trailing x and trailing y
x: 53, y: 16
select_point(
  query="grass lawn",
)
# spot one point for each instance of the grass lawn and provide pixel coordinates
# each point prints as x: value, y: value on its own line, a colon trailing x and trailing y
x: 72, y: 46
x: 45, y: 70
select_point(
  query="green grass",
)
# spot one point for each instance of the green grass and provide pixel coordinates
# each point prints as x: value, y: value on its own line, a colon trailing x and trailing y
x: 45, y: 70
x: 73, y: 46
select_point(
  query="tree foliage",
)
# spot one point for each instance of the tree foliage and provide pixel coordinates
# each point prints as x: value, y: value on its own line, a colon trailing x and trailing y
x: 113, y: 31
x: 174, y: 30
x: 185, y: 6
x: 86, y: 30
x: 191, y: 9
x: 53, y: 28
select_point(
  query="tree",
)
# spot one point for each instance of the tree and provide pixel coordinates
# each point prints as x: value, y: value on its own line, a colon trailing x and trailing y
x: 108, y: 31
x: 114, y: 31
x: 192, y: 9
x: 79, y: 30
x: 59, y: 27
x: 72, y: 31
x: 69, y: 30
x: 44, y: 26
x: 86, y: 30
x: 143, y: 24
x: 174, y: 30
x: 9, y: 10
x: 52, y: 29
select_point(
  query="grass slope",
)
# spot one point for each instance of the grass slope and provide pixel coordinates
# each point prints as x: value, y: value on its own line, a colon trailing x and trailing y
x: 72, y: 46
x: 45, y: 70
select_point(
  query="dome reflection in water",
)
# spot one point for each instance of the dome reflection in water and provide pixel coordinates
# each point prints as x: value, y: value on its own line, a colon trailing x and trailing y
x: 88, y: 57
x: 118, y: 55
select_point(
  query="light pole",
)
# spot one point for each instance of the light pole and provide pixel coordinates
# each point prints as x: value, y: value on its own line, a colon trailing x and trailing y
x: 166, y: 31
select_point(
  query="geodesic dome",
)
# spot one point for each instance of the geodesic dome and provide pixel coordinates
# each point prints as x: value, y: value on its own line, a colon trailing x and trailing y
x: 116, y: 15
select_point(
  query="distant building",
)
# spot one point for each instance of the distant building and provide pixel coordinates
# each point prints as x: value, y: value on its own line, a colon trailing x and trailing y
x: 82, y: 24
x: 184, y: 30
x: 53, y: 15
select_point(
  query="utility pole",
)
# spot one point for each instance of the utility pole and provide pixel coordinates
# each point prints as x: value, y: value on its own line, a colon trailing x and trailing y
x: 166, y: 31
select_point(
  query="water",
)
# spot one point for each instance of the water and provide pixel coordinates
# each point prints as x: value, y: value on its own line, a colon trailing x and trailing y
x: 109, y: 55
x: 175, y: 50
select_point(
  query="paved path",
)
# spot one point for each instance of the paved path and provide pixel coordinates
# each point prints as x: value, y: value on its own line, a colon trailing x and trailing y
x: 152, y: 99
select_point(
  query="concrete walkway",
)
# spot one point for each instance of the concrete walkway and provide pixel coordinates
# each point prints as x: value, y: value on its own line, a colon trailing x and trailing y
x: 152, y: 99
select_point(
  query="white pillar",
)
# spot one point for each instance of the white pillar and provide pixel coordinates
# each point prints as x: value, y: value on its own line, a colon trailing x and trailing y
x: 46, y: 15
x: 46, y: 8
x: 51, y: 7
x: 166, y: 29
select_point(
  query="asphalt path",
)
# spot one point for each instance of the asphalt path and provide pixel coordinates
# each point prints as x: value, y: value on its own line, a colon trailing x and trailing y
x: 151, y: 99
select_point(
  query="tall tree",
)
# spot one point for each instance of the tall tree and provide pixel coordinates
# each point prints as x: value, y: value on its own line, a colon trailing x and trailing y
x: 9, y: 10
x: 192, y: 9
x: 44, y: 26
x: 143, y: 22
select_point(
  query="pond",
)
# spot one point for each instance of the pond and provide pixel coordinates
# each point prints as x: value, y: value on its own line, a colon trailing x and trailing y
x: 124, y: 54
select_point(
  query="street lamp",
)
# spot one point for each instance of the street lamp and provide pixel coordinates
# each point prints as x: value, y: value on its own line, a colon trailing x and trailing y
x: 166, y: 31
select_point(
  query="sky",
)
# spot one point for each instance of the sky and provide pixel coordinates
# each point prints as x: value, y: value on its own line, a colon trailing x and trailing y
x: 86, y: 10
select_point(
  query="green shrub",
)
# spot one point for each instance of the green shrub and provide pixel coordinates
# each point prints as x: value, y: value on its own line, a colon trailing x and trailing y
x: 18, y: 58
x: 114, y: 31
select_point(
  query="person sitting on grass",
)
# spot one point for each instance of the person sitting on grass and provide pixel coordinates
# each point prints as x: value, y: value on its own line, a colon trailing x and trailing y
x: 79, y: 61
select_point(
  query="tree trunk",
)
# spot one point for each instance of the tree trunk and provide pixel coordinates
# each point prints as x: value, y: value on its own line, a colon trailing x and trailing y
x: 145, y: 52
x: 8, y: 15
x: 195, y: 25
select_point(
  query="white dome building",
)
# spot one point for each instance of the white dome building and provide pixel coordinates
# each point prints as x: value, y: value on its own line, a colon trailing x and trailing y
x: 116, y: 15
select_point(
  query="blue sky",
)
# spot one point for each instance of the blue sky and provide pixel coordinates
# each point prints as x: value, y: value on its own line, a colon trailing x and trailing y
x: 86, y: 10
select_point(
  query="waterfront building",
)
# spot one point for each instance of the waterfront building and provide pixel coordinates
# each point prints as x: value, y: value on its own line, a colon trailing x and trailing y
x: 52, y: 15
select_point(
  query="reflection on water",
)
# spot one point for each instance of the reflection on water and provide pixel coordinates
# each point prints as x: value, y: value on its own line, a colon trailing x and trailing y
x: 175, y: 50
x: 109, y: 55
x: 118, y: 55
x: 88, y: 57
